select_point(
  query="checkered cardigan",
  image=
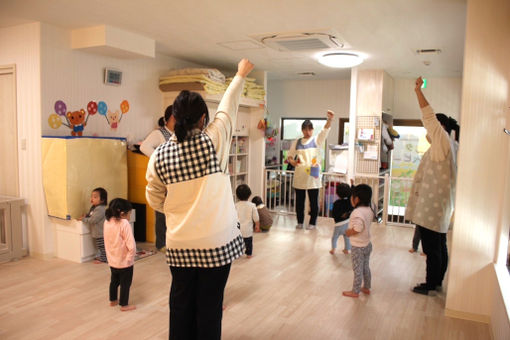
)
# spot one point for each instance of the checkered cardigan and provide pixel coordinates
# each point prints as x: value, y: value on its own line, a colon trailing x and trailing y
x: 194, y: 161
x: 189, y: 182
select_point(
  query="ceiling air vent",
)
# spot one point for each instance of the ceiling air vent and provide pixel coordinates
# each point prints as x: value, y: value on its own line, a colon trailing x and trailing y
x: 297, y: 42
x: 428, y: 51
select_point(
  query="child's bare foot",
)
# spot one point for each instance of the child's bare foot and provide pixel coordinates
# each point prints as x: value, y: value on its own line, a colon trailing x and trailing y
x: 345, y: 251
x: 332, y: 251
x: 97, y: 262
x: 127, y: 308
x: 412, y: 251
x: 423, y: 254
x: 365, y: 291
x: 114, y: 303
x: 350, y: 293
x: 249, y: 256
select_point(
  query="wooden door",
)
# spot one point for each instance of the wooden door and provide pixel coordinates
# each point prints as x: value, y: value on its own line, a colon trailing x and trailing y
x: 9, y: 182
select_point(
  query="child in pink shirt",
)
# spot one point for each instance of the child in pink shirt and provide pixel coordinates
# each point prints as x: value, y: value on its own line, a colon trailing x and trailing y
x: 120, y: 250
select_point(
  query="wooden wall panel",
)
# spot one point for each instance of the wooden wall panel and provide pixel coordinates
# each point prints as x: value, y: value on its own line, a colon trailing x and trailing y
x: 482, y: 161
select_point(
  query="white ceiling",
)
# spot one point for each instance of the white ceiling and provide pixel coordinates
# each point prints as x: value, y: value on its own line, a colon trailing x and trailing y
x: 387, y: 31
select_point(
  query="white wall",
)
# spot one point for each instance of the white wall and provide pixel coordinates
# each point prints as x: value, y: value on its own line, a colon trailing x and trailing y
x: 443, y: 94
x: 311, y: 98
x: 48, y: 70
x: 76, y: 77
x: 480, y: 233
x: 20, y: 45
x: 308, y: 98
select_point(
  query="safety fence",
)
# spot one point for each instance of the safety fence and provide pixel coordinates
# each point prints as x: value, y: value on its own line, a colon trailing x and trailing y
x: 390, y: 194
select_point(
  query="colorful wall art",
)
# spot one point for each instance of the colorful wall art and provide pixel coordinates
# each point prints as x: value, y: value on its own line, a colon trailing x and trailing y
x: 77, y: 120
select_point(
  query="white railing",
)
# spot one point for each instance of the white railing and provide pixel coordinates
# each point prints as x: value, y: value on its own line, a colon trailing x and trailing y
x: 390, y: 194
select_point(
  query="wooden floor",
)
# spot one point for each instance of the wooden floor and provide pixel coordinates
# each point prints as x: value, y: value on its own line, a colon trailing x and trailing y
x: 290, y: 289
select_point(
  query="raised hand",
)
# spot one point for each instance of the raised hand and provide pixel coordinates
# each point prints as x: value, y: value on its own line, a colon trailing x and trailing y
x: 418, y: 83
x: 244, y: 67
x: 331, y: 114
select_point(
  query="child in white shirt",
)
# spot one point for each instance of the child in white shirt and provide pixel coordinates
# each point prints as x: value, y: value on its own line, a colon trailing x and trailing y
x: 248, y: 216
x: 359, y: 233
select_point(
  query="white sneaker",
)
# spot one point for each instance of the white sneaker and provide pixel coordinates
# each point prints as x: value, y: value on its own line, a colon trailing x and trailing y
x: 299, y: 226
x: 310, y: 227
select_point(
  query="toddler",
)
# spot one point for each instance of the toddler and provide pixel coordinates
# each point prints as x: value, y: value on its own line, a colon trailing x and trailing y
x: 95, y: 220
x: 120, y: 249
x: 248, y: 215
x: 359, y: 232
x: 266, y: 220
x: 342, y: 209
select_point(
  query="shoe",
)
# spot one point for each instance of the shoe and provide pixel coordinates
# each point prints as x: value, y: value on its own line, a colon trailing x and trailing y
x: 332, y: 251
x: 350, y: 293
x: 299, y: 226
x: 423, y: 290
x: 365, y: 291
x: 310, y: 227
x: 412, y: 250
x: 345, y: 251
x: 439, y: 288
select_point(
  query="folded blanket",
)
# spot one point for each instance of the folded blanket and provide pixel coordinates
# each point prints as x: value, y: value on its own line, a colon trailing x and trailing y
x: 211, y: 73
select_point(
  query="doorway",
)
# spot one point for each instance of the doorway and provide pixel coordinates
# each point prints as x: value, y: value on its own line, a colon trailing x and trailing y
x: 9, y: 181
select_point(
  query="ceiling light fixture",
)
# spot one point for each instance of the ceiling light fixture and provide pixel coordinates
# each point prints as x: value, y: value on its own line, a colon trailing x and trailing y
x: 340, y: 59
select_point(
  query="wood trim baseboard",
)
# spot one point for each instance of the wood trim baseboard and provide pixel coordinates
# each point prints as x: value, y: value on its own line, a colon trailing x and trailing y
x: 467, y: 316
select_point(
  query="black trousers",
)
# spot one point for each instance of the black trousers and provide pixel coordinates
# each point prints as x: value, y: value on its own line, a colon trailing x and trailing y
x: 160, y: 230
x: 248, y: 243
x: 313, y: 196
x: 434, y: 246
x: 196, y: 302
x: 122, y: 277
x: 416, y: 238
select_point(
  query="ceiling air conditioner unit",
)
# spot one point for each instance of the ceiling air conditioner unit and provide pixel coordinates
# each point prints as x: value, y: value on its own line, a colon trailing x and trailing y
x: 296, y: 42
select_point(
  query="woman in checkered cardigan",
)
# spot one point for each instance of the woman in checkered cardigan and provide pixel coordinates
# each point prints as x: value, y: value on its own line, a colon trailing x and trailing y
x: 188, y: 180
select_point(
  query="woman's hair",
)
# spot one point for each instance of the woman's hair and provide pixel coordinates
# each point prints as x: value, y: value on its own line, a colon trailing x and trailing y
x: 307, y: 124
x: 168, y: 113
x: 256, y: 200
x: 343, y: 190
x: 117, y: 206
x: 243, y: 192
x: 364, y: 193
x: 103, y: 195
x: 188, y: 108
x: 449, y: 124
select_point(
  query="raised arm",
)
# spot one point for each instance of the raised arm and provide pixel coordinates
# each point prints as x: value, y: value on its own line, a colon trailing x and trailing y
x: 221, y: 128
x: 439, y: 141
x: 321, y: 137
x: 422, y: 101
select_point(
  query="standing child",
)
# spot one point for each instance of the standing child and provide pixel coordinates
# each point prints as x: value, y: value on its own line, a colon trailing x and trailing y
x: 342, y: 209
x: 359, y: 232
x: 248, y: 215
x: 95, y: 220
x: 266, y: 220
x: 121, y: 249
